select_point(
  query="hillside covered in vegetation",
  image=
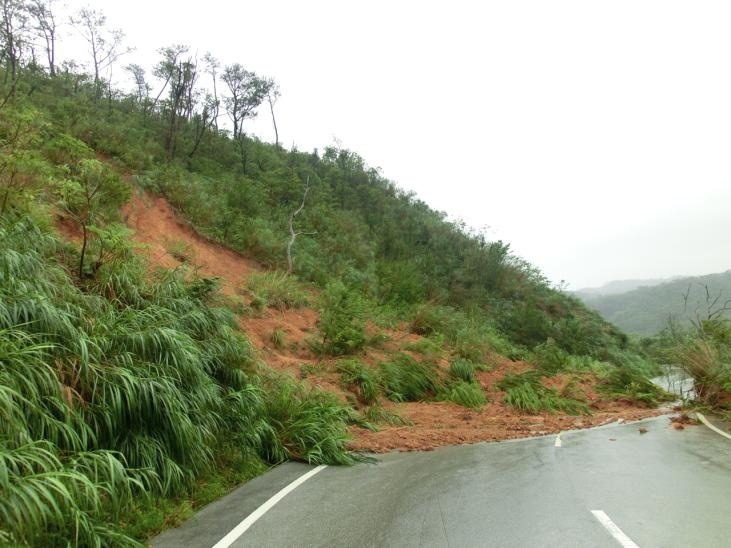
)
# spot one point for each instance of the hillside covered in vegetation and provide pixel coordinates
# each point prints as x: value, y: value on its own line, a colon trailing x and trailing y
x: 137, y: 381
x: 647, y: 310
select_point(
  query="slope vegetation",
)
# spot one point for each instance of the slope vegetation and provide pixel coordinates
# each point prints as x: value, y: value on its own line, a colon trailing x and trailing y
x: 414, y: 425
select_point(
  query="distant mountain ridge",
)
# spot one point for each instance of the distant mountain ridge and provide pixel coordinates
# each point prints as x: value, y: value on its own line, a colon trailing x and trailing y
x: 646, y: 308
x: 616, y: 287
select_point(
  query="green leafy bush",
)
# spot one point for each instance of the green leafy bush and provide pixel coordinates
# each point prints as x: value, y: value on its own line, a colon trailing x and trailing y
x: 430, y: 319
x: 550, y: 358
x: 342, y: 320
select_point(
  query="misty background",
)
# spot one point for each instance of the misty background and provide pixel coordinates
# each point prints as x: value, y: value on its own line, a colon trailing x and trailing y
x: 592, y: 136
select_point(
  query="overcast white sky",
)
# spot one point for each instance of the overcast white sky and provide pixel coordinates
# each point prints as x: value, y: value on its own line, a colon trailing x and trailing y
x: 593, y: 136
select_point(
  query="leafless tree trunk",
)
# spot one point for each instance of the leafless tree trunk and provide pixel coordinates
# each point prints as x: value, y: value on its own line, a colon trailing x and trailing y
x: 42, y: 10
x: 272, y: 97
x: 292, y: 232
x: 105, y: 44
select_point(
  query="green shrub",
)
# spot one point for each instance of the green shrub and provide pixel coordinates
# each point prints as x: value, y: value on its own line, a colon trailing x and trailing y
x: 429, y: 347
x: 342, y: 320
x: 526, y: 393
x: 431, y: 319
x: 467, y: 394
x: 471, y: 344
x: 361, y: 379
x: 550, y: 358
x: 276, y: 289
x: 405, y: 379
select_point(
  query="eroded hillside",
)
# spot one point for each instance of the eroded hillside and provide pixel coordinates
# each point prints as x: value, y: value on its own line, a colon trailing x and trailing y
x: 168, y: 241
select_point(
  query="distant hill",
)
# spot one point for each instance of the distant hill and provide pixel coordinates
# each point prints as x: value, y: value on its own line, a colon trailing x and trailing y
x: 616, y: 287
x: 646, y: 309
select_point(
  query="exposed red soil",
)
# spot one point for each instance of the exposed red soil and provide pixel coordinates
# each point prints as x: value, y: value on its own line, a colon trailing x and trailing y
x: 440, y: 423
x: 157, y: 226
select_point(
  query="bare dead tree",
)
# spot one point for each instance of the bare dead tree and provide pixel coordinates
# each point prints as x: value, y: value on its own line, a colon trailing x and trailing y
x: 292, y: 232
x: 106, y: 45
x: 712, y: 307
x: 207, y: 118
x: 272, y: 97
x: 686, y: 295
x: 47, y: 29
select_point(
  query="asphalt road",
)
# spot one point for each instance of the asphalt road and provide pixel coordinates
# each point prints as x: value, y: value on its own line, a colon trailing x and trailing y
x: 664, y: 488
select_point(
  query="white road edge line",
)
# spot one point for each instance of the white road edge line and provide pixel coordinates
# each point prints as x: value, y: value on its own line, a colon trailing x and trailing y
x: 558, y: 441
x: 615, y: 531
x: 242, y: 527
x: 705, y: 421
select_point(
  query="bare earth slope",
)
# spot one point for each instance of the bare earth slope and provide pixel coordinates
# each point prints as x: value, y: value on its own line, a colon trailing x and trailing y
x: 169, y: 240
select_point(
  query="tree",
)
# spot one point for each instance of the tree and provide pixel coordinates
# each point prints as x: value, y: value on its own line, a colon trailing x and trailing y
x: 207, y: 118
x: 180, y: 76
x: 106, y: 45
x: 13, y: 40
x: 90, y: 196
x: 272, y: 98
x: 142, y: 88
x: 292, y: 232
x: 21, y: 166
x: 46, y: 27
x: 247, y: 92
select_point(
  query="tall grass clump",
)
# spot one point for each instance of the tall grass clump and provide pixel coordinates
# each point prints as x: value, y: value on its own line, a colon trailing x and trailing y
x: 467, y: 394
x: 461, y: 369
x: 362, y: 380
x: 627, y: 384
x: 376, y: 413
x: 526, y: 392
x: 305, y: 424
x: 705, y: 355
x: 277, y: 290
x: 405, y: 379
x: 127, y: 387
x: 431, y: 348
